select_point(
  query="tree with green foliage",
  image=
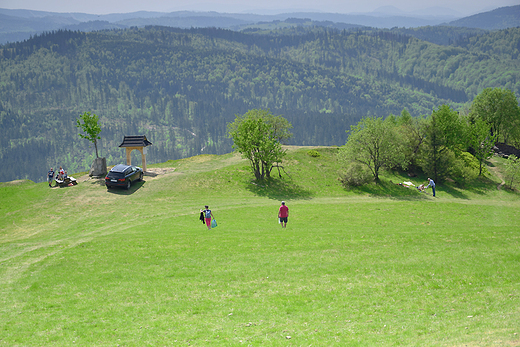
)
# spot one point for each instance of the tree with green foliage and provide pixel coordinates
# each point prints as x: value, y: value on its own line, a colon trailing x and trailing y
x: 258, y: 136
x: 444, y: 140
x: 512, y: 171
x: 479, y: 140
x: 499, y: 109
x: 375, y: 144
x: 412, y: 131
x: 90, y: 127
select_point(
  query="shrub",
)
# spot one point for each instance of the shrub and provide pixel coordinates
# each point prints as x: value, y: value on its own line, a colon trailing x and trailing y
x: 465, y: 168
x: 512, y: 171
x: 355, y: 175
x: 314, y: 153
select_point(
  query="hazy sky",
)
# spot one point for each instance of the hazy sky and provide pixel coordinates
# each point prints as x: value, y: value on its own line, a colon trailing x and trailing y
x: 465, y: 7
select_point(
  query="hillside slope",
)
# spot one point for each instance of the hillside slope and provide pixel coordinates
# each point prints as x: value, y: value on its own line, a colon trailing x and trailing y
x: 88, y: 266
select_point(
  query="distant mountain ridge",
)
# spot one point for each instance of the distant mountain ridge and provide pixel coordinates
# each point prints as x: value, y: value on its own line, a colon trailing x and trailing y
x: 500, y: 18
x: 19, y: 25
x: 430, y: 12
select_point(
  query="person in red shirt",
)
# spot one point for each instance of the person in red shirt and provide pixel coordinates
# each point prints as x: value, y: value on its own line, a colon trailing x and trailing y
x: 283, y: 214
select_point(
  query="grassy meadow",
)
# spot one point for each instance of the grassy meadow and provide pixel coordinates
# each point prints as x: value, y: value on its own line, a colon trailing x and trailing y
x: 380, y: 265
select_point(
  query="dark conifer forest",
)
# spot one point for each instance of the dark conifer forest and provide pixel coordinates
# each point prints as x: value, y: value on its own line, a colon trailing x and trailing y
x: 181, y: 87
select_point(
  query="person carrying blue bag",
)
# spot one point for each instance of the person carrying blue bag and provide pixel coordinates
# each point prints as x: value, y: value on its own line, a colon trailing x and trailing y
x: 207, y: 217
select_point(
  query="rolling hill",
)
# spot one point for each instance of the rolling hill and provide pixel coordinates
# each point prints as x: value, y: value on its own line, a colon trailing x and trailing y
x: 500, y: 18
x: 382, y: 265
x: 19, y: 25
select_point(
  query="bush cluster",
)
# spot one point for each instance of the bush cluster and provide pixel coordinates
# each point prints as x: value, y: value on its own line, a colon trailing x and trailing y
x: 314, y: 153
x: 355, y: 175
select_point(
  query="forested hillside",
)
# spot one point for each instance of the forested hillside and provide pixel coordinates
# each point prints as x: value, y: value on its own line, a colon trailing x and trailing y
x: 180, y: 88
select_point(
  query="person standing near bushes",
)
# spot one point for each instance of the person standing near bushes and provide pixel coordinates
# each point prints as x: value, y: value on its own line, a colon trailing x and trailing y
x: 283, y: 214
x: 207, y: 216
x: 431, y: 184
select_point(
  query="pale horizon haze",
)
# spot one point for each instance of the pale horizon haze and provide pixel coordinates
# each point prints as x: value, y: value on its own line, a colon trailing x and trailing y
x: 463, y: 7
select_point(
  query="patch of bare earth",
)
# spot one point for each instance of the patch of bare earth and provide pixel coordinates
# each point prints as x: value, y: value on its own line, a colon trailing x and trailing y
x: 496, y: 171
x: 149, y: 173
x: 15, y: 182
x: 158, y: 171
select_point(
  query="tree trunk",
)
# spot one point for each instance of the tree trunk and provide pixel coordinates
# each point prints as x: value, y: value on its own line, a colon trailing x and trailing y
x: 256, y: 170
x: 95, y: 145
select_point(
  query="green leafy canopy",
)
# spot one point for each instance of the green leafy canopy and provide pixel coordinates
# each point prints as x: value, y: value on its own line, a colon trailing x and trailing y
x: 257, y: 135
x: 90, y: 127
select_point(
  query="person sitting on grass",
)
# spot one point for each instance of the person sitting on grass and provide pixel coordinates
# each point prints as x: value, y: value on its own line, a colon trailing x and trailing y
x: 60, y: 174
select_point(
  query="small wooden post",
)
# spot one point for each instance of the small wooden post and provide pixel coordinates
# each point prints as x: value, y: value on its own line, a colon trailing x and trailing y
x: 129, y: 157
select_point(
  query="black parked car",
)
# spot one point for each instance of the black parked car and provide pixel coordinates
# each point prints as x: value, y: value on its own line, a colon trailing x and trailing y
x: 123, y: 175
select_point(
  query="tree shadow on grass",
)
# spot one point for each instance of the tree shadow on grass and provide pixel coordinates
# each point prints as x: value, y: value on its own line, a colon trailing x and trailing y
x: 449, y: 189
x: 278, y: 189
x: 388, y: 189
x: 479, y: 186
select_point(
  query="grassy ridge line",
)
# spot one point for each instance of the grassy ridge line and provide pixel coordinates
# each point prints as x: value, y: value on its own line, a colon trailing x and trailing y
x: 138, y: 268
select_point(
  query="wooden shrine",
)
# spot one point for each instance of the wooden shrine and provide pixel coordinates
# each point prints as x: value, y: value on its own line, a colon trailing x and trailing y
x: 138, y: 142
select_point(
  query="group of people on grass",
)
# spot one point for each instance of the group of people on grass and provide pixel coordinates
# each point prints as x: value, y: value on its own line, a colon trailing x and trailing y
x: 421, y: 187
x: 61, y: 175
x: 431, y: 183
x: 206, y: 216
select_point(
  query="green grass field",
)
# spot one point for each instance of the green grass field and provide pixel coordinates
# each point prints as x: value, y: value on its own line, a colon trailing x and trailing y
x: 381, y: 265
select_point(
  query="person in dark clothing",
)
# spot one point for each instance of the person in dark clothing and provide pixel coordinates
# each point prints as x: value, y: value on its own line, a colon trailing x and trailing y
x: 202, y: 217
x: 50, y: 177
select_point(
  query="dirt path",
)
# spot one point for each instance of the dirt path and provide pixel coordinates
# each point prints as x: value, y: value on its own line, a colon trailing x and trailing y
x: 149, y: 173
x: 497, y: 172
